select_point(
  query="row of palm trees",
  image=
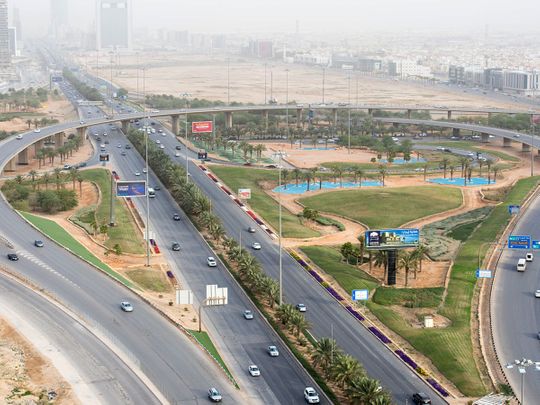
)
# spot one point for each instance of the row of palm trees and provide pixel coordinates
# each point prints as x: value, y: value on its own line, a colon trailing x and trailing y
x: 57, y: 176
x: 466, y: 168
x: 43, y: 122
x: 65, y: 151
x: 247, y: 148
x: 347, y: 373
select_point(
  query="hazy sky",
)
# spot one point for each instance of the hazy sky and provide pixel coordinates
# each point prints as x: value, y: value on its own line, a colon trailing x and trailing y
x: 335, y: 16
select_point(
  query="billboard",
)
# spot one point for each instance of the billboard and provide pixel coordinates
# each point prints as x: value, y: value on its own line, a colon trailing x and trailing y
x: 244, y: 193
x: 519, y: 242
x: 135, y: 188
x: 392, y: 238
x: 200, y: 127
x: 103, y: 157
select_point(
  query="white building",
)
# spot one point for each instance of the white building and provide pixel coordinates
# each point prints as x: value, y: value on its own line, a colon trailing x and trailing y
x: 521, y: 82
x: 408, y: 68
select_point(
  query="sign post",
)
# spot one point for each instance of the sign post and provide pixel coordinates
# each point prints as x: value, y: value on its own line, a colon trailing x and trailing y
x: 360, y: 295
x: 244, y: 193
x: 519, y: 242
x: 483, y: 273
x: 513, y: 209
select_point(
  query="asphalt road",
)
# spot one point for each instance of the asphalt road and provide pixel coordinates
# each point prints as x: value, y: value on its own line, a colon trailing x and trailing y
x: 515, y: 312
x: 100, y: 377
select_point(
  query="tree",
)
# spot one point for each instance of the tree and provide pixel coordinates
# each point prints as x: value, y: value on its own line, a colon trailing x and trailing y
x: 285, y: 313
x: 347, y: 250
x: 46, y: 179
x: 381, y: 260
x: 298, y: 323
x: 103, y: 229
x: 308, y: 175
x: 382, y: 173
x: 362, y: 241
x: 464, y: 162
x: 444, y: 164
x: 366, y: 391
x: 48, y: 201
x: 345, y: 369
x: 420, y: 252
x: 74, y: 174
x: 452, y: 168
x: 425, y: 171
x: 358, y: 174
x: 337, y: 171
x: 80, y: 180
x: 29, y: 123
x: 489, y: 163
x: 57, y: 173
x: 296, y: 172
x: 407, y: 261
x: 284, y: 176
x: 326, y: 351
x: 495, y: 171
x: 480, y: 165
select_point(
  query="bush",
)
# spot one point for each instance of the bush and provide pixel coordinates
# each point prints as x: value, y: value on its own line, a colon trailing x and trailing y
x: 48, y: 201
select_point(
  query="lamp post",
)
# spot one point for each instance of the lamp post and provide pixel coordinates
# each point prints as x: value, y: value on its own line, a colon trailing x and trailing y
x: 146, y: 129
x: 279, y: 234
x: 287, y: 101
x: 265, y: 100
x: 521, y: 366
x: 228, y: 81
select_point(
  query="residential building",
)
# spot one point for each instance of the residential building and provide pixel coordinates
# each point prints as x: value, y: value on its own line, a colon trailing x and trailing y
x: 114, y: 24
x: 408, y: 68
x: 521, y: 82
x: 5, y: 57
x: 13, y: 49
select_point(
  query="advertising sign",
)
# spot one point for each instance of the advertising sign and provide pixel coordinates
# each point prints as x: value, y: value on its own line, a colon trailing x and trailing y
x: 519, y: 242
x: 200, y: 127
x: 244, y: 193
x: 360, y: 295
x: 131, y: 188
x: 392, y: 238
x: 103, y: 157
x: 513, y: 209
x: 483, y: 273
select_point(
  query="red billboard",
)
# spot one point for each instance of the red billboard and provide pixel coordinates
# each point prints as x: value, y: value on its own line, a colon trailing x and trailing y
x: 201, y: 127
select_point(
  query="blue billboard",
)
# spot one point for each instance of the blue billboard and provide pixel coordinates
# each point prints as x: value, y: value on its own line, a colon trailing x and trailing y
x: 392, y: 238
x: 130, y: 188
x: 519, y: 242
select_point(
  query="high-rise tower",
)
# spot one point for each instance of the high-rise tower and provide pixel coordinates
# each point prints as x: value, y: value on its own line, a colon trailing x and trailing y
x: 113, y: 24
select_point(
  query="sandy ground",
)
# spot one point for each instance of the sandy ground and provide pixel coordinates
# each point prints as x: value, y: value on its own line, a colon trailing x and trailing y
x: 205, y: 76
x: 61, y: 109
x: 23, y: 368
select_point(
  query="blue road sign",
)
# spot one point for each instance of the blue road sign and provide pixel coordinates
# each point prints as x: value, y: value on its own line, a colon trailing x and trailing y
x: 513, y: 209
x: 483, y: 273
x: 536, y: 244
x: 360, y: 295
x: 519, y: 242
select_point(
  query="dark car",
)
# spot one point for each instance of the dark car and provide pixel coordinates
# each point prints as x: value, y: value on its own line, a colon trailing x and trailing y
x: 419, y: 398
x: 13, y: 257
x: 38, y: 243
x: 176, y: 217
x: 128, y: 146
x: 157, y: 187
x: 175, y: 246
x: 178, y: 147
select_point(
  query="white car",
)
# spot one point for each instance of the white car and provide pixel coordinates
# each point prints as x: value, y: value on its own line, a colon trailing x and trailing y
x: 248, y: 314
x: 273, y: 351
x: 137, y: 173
x: 177, y: 154
x: 211, y: 262
x: 529, y: 257
x: 144, y: 170
x: 256, y: 245
x: 301, y: 307
x: 161, y: 146
x: 254, y: 370
x: 311, y: 396
x: 214, y: 395
x: 19, y: 136
x: 126, y: 306
x: 37, y: 130
x: 158, y: 141
x: 537, y: 293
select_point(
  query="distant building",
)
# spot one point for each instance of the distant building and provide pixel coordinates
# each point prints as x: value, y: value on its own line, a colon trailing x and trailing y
x: 408, y: 68
x: 456, y: 74
x: 114, y: 24
x: 5, y: 57
x: 368, y: 65
x: 259, y: 49
x: 312, y: 59
x: 18, y: 26
x: 13, y: 48
x: 521, y: 82
x: 59, y: 18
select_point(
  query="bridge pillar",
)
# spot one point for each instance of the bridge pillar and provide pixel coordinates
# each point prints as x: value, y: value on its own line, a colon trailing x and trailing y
x: 370, y: 112
x: 228, y: 119
x: 525, y: 147
x: 174, y: 124
x: 299, y: 117
x: 507, y: 142
x: 265, y: 118
x: 455, y: 132
x: 39, y: 145
x: 10, y: 166
x: 59, y: 139
x: 485, y: 137
x: 449, y: 114
x: 125, y: 126
x: 409, y: 114
x: 22, y: 157
x: 334, y: 112
x: 395, y: 124
x: 82, y: 133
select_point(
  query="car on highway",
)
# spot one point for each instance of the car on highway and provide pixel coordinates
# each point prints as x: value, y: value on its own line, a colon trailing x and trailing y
x: 128, y: 146
x: 248, y: 314
x: 214, y: 395
x: 126, y: 306
x: 251, y: 229
x: 137, y: 173
x: 311, y: 396
x: 537, y: 293
x: 178, y: 147
x: 82, y: 122
x: 106, y: 142
x: 254, y: 370
x: 256, y: 246
x: 301, y: 307
x: 118, y: 146
x: 175, y: 216
x: 123, y: 153
x: 177, y: 154
x: 175, y: 246
x: 19, y: 136
x: 144, y: 170
x: 13, y: 257
x: 211, y: 262
x: 161, y: 146
x: 38, y: 243
x: 37, y: 130
x: 67, y: 167
x: 529, y: 256
x: 419, y: 398
x: 272, y: 351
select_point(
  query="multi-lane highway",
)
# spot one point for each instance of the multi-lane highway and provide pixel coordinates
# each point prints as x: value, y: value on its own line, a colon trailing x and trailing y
x: 515, y: 311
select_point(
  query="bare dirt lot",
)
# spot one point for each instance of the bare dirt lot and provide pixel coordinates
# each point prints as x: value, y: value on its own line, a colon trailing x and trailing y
x: 205, y: 76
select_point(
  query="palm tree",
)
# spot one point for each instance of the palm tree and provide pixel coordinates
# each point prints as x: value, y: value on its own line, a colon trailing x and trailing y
x: 420, y: 252
x: 338, y: 173
x: 271, y: 290
x: 407, y: 261
x: 345, y: 369
x: 46, y: 178
x: 80, y: 180
x: 480, y: 164
x: 57, y: 173
x: 381, y: 260
x: 285, y: 313
x: 495, y: 171
x: 444, y: 163
x: 308, y: 175
x: 382, y: 173
x: 463, y: 161
x: 489, y: 162
x: 29, y: 123
x: 362, y: 240
x: 298, y: 323
x: 326, y: 351
x: 284, y: 175
x: 74, y: 174
x: 33, y: 174
x: 358, y: 174
x: 365, y: 391
x: 18, y: 179
x: 425, y: 171
x: 296, y: 172
x: 452, y: 168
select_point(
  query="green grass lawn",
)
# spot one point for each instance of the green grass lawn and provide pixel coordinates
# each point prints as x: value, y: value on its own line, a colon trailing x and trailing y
x: 125, y: 232
x: 59, y: 234
x: 263, y: 204
x: 204, y: 339
x: 386, y: 207
x: 151, y: 280
x: 409, y: 297
x: 349, y: 277
x: 462, y: 232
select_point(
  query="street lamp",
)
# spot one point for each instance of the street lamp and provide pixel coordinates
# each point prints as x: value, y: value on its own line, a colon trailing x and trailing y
x: 280, y: 153
x: 521, y: 366
x: 287, y: 101
x: 228, y: 81
x: 186, y: 95
x: 146, y: 127
x: 265, y: 84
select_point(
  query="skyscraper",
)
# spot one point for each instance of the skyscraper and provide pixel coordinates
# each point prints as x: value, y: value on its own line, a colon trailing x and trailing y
x: 113, y: 24
x: 17, y: 23
x: 5, y: 58
x: 59, y: 18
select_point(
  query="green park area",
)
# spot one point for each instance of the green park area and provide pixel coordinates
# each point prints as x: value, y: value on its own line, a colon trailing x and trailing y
x: 386, y: 207
x: 94, y: 219
x: 262, y: 203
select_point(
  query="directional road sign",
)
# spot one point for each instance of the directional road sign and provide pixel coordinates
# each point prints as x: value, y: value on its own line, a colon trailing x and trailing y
x: 483, y: 273
x: 360, y: 295
x: 519, y: 242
